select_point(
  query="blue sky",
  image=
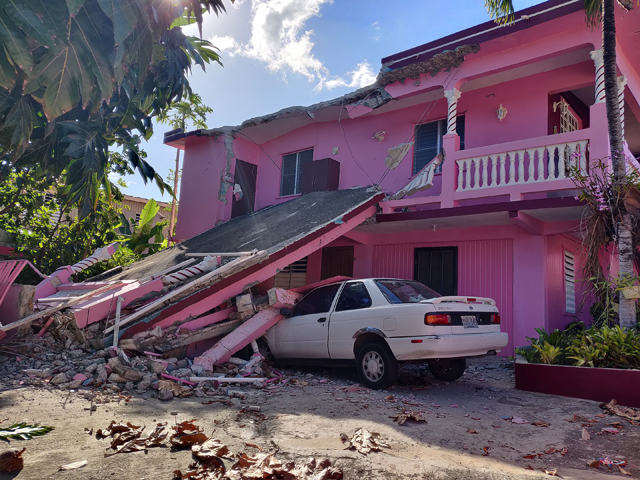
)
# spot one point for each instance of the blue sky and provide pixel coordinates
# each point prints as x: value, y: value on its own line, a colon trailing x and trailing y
x: 278, y: 53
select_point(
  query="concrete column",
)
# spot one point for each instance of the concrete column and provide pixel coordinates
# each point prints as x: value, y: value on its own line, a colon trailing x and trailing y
x: 452, y: 100
x: 598, y: 61
x: 599, y: 141
x: 451, y: 145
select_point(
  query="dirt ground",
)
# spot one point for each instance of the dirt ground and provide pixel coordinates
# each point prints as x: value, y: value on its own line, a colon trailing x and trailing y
x: 305, y: 418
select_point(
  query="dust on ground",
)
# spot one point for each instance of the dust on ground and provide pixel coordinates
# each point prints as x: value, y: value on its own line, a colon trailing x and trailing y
x: 473, y: 427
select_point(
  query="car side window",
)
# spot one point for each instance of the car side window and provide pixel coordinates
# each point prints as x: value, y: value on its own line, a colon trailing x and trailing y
x: 317, y: 301
x: 353, y: 297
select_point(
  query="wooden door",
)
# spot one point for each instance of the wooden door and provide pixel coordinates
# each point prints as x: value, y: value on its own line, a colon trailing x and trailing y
x: 245, y: 175
x: 337, y: 261
x: 437, y: 268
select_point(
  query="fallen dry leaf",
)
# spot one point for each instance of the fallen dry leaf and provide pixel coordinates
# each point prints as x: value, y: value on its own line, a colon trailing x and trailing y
x: 486, y: 451
x: 623, y: 471
x: 540, y: 423
x: 178, y: 390
x: 266, y: 466
x: 126, y: 437
x: 211, y: 448
x: 628, y: 413
x: 611, y: 430
x: 187, y: 434
x: 365, y: 442
x: 472, y: 431
x: 73, y: 466
x: 594, y: 463
x: 405, y: 415
x: 553, y: 473
x: 585, y: 434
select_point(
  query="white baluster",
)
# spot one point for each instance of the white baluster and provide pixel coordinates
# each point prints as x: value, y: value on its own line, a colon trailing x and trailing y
x: 562, y: 152
x: 460, y: 174
x: 531, y: 177
x: 520, y: 166
x: 503, y: 178
x: 551, y: 162
x: 512, y: 168
x: 494, y: 170
x: 476, y: 171
x: 540, y: 151
x: 485, y: 161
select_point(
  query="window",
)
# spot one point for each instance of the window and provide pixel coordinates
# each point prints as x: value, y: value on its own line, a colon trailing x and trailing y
x: 353, y: 297
x: 317, y: 301
x: 292, y: 276
x: 137, y: 218
x: 292, y: 170
x: 404, y: 291
x: 569, y: 282
x: 428, y: 141
x: 568, y: 122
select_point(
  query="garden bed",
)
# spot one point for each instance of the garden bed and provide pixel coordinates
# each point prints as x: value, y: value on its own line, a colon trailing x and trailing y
x: 599, y: 384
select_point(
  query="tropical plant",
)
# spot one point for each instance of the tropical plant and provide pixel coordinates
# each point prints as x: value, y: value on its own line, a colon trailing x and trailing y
x: 23, y: 431
x: 145, y: 236
x: 602, y: 12
x: 81, y: 78
x: 606, y: 347
x: 178, y: 116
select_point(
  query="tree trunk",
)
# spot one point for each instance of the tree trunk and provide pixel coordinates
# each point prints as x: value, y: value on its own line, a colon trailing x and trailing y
x: 627, y: 313
x: 172, y: 218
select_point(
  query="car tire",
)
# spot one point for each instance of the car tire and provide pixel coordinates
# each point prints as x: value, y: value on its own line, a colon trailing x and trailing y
x: 377, y: 367
x: 448, y: 369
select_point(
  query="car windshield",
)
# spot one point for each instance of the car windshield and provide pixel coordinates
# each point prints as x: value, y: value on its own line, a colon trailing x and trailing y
x: 405, y: 291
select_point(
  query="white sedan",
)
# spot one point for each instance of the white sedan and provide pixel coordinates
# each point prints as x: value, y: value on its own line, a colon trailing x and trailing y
x: 381, y: 322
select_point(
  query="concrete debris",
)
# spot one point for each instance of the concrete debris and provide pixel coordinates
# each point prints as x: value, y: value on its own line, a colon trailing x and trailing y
x: 397, y: 154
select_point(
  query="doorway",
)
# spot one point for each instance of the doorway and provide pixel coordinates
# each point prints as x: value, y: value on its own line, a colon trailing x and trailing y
x: 337, y: 261
x: 437, y: 268
x: 245, y: 175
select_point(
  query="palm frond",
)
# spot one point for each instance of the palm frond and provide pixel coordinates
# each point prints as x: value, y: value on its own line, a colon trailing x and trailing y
x: 23, y: 431
x: 501, y: 11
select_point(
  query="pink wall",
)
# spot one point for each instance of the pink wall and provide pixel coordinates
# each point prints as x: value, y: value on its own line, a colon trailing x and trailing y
x: 557, y: 315
x: 485, y: 268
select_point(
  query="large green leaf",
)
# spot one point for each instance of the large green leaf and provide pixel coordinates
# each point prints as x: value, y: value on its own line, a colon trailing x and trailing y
x: 30, y: 23
x: 74, y: 6
x: 15, y: 43
x: 21, y: 119
x: 123, y: 14
x: 8, y: 73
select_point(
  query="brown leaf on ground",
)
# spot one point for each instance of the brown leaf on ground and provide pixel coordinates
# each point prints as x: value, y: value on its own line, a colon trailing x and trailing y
x: 266, y: 466
x: 540, y: 423
x: 365, y: 442
x: 486, y: 451
x: 594, y: 463
x: 178, y: 390
x: 213, y: 469
x: 553, y: 473
x: 11, y: 460
x: 623, y: 471
x: 472, y: 431
x: 187, y: 434
x: 129, y: 439
x: 563, y: 451
x: 585, y: 434
x: 628, y: 413
x: 405, y: 415
x: 211, y: 448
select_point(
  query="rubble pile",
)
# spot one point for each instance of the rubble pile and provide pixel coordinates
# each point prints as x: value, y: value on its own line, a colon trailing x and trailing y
x: 153, y: 363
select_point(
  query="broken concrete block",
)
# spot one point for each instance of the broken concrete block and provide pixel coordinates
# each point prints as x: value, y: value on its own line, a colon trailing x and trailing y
x: 242, y: 336
x: 397, y: 154
x: 59, y: 378
x: 165, y: 394
x: 80, y: 377
x: 242, y: 316
x: 115, y: 378
x: 133, y: 375
x: 279, y: 298
x: 244, y: 303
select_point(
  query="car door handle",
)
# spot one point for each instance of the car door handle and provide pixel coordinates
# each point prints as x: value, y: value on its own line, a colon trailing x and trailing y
x: 322, y: 320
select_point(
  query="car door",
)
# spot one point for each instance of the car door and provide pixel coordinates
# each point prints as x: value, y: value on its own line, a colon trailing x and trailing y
x: 304, y: 333
x: 352, y: 312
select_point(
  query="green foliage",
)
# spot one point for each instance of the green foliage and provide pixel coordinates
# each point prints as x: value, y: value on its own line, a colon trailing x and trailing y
x: 81, y: 78
x: 179, y: 114
x: 600, y: 346
x: 145, y: 236
x: 23, y: 431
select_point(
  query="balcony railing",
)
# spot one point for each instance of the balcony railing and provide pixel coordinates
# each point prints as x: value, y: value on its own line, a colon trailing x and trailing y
x: 524, y: 166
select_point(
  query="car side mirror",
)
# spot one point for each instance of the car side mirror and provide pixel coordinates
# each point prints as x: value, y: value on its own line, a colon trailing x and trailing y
x: 285, y: 312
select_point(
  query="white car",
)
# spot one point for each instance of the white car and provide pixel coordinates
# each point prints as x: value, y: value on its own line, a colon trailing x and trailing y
x: 381, y: 322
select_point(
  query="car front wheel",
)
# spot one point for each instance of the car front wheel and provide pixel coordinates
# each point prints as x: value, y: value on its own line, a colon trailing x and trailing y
x: 377, y: 367
x: 448, y: 369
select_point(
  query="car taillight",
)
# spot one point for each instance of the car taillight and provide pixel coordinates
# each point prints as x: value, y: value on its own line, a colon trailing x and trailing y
x: 437, y: 319
x: 495, y: 319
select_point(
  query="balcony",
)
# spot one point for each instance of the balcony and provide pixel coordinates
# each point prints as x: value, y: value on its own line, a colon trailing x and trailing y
x: 512, y: 169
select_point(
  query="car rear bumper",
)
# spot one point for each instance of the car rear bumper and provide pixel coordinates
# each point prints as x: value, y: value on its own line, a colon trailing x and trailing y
x: 447, y: 346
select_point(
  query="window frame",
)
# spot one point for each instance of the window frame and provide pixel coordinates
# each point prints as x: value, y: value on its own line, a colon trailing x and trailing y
x: 298, y: 178
x: 442, y: 131
x: 342, y: 290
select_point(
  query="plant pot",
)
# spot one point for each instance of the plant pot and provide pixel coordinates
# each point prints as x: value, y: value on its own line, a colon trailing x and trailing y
x: 631, y: 293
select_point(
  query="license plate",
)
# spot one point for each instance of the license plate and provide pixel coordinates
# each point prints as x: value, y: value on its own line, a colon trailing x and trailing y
x: 469, y: 321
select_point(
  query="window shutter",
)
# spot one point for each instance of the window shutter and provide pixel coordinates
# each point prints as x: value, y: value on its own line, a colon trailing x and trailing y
x: 569, y: 282
x: 426, y: 145
x: 460, y: 130
x: 292, y: 276
x: 303, y: 158
x: 288, y: 182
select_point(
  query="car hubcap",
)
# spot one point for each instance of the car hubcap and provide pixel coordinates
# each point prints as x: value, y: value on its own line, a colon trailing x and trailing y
x: 373, y: 366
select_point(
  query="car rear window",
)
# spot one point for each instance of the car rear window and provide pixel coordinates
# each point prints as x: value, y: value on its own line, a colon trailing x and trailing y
x: 405, y: 291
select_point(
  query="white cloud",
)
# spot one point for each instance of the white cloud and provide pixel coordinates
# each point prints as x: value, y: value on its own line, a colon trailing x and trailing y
x: 279, y: 40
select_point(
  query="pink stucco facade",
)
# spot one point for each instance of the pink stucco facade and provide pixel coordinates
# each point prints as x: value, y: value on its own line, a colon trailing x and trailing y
x: 504, y: 201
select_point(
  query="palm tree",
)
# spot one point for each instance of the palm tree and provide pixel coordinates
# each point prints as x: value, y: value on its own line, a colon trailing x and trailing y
x: 602, y: 12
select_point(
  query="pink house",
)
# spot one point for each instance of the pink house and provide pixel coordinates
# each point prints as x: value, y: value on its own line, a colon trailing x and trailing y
x: 510, y: 109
